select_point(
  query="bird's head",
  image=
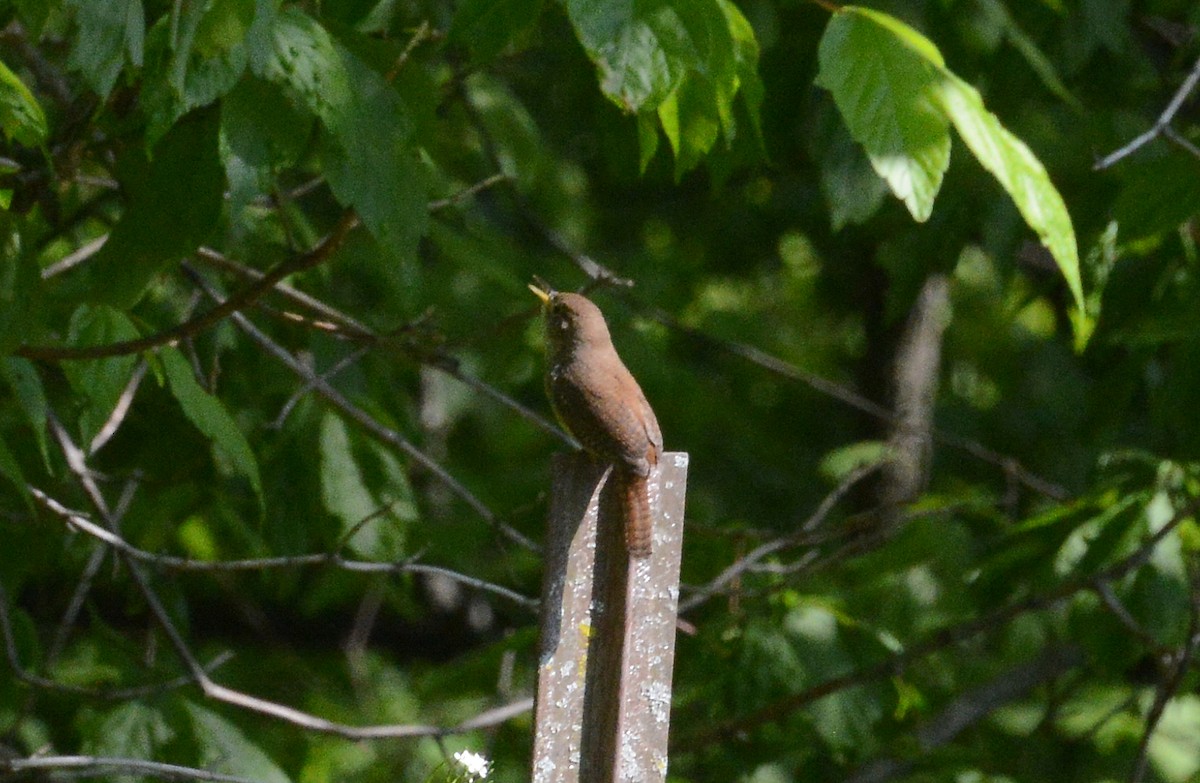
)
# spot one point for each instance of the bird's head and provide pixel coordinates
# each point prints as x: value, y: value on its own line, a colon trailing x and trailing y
x: 571, y: 319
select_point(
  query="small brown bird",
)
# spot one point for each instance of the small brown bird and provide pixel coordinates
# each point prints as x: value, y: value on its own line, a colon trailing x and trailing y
x: 597, y: 399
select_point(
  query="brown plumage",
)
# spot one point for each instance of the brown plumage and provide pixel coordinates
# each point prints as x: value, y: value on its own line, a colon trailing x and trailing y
x: 597, y: 399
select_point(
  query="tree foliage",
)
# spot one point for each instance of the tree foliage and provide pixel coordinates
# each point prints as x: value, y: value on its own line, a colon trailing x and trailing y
x: 272, y: 435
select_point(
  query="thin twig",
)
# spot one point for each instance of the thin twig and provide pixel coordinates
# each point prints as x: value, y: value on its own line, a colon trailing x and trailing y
x: 114, y: 694
x: 855, y: 400
x: 82, y: 523
x: 120, y: 410
x: 466, y: 193
x: 437, y: 359
x: 111, y: 765
x: 367, y: 422
x: 1162, y: 125
x: 1170, y: 684
x: 944, y: 638
x: 241, y: 299
x: 423, y: 33
x: 740, y: 566
x: 75, y: 258
x: 76, y: 462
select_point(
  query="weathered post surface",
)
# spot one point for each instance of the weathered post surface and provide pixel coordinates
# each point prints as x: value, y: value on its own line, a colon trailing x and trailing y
x: 607, y: 645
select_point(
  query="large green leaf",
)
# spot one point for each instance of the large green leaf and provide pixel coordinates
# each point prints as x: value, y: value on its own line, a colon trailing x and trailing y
x: 486, y: 27
x: 202, y: 59
x: 225, y: 748
x: 27, y: 388
x: 1019, y: 172
x: 346, y: 494
x: 898, y: 99
x: 367, y: 152
x: 11, y: 470
x: 210, y: 417
x: 644, y: 48
x: 98, y: 382
x: 109, y: 34
x: 883, y: 78
x: 134, y: 730
x: 21, y: 116
x: 159, y: 225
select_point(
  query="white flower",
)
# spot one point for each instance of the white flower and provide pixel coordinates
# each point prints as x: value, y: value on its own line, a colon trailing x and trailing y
x: 476, y: 765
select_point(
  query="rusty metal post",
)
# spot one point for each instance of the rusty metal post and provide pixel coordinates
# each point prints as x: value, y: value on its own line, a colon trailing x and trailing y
x: 607, y: 645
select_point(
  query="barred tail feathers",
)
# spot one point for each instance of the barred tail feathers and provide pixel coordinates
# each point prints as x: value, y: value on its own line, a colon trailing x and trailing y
x: 639, y: 522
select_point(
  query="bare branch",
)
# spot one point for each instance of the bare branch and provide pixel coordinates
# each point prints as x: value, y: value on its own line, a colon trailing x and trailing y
x: 193, y: 326
x: 752, y: 558
x: 373, y: 427
x: 82, y: 523
x: 1170, y: 684
x: 71, y: 260
x: 111, y: 765
x: 120, y: 410
x: 1161, y: 127
x: 947, y: 637
x: 855, y: 400
x: 422, y: 34
x: 437, y: 359
x: 213, y: 690
x: 466, y: 193
x: 972, y: 706
x: 114, y: 694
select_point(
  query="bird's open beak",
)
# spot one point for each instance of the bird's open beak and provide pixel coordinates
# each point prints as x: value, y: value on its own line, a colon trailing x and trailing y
x: 541, y: 293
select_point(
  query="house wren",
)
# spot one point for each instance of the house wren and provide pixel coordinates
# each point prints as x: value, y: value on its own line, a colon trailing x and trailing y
x: 597, y: 399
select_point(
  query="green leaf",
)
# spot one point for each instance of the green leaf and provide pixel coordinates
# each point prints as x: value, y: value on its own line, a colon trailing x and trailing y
x: 839, y: 463
x: 203, y: 59
x: 260, y: 132
x: 898, y: 98
x: 487, y: 27
x: 691, y: 120
x: 224, y: 26
x: 1173, y: 747
x: 224, y: 748
x: 883, y: 78
x: 210, y: 417
x: 20, y: 286
x: 644, y: 48
x: 23, y: 379
x: 133, y: 730
x: 853, y: 191
x: 699, y: 106
x: 1019, y: 172
x: 11, y: 470
x: 98, y: 382
x: 1158, y: 196
x: 745, y: 56
x: 346, y: 495
x: 21, y: 116
x: 367, y: 153
x: 159, y: 226
x: 109, y: 34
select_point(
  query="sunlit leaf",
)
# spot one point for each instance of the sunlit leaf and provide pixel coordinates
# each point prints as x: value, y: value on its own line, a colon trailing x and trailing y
x: 210, y: 417
x: 898, y: 100
x: 21, y: 116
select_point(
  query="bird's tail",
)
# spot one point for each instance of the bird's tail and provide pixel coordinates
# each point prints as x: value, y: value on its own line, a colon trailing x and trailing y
x: 639, y: 523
